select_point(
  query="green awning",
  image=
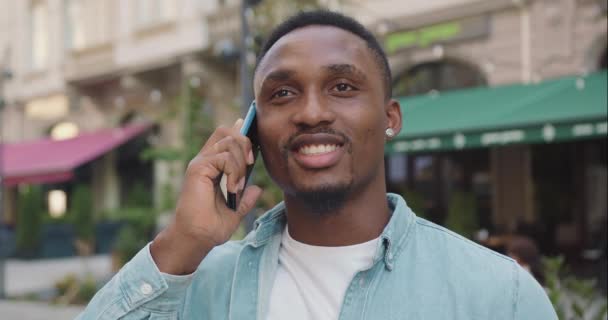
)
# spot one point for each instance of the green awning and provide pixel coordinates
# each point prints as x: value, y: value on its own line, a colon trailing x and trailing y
x: 555, y: 110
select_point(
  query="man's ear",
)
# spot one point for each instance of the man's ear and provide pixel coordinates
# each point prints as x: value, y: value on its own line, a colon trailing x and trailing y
x: 393, y: 116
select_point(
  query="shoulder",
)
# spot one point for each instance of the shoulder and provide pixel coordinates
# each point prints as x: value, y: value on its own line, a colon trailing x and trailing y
x: 488, y: 275
x: 456, y: 259
x: 458, y: 249
x: 532, y: 301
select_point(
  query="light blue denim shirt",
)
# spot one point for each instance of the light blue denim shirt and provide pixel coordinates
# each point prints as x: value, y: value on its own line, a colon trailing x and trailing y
x: 420, y: 271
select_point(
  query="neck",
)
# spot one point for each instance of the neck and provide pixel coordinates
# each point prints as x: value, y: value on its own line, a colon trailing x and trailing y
x: 363, y: 217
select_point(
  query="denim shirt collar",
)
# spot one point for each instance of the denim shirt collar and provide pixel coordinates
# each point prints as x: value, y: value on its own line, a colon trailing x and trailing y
x: 393, y: 237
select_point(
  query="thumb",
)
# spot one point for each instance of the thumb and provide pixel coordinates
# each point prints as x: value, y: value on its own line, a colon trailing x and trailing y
x: 248, y: 200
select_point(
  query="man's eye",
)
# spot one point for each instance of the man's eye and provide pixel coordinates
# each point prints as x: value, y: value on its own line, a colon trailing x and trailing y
x: 281, y: 93
x: 344, y: 87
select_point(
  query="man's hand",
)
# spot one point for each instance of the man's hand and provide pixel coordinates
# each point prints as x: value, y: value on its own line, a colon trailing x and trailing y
x: 202, y: 219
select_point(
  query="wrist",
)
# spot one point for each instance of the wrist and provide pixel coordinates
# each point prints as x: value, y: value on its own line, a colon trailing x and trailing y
x: 177, y: 254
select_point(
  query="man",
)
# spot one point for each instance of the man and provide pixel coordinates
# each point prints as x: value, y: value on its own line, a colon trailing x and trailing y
x: 338, y: 247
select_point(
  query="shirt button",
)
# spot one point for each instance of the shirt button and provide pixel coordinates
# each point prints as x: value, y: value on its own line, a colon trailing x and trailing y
x: 145, y: 289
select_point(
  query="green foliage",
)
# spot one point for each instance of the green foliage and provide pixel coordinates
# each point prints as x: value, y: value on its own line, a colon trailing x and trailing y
x: 140, y: 218
x: 81, y: 213
x: 87, y: 289
x: 138, y: 196
x: 139, y: 223
x: 572, y: 297
x: 462, y: 214
x: 415, y: 201
x: 72, y: 290
x: 30, y: 212
x: 64, y: 284
x: 198, y: 123
x: 270, y: 13
x: 197, y: 126
x: 168, y: 198
x: 164, y: 154
x: 272, y: 194
x: 48, y: 219
x: 128, y: 243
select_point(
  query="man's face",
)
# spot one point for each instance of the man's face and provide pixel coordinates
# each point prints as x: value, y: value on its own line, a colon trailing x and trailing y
x: 322, y: 111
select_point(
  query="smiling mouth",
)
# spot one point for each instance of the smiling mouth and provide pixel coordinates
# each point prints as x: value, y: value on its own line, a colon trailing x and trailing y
x: 317, y: 149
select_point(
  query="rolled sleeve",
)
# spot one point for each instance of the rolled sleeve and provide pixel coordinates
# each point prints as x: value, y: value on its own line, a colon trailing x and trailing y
x: 142, y: 283
x: 138, y: 291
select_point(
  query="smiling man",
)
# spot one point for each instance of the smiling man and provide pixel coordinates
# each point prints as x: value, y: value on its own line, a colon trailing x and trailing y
x: 339, y: 246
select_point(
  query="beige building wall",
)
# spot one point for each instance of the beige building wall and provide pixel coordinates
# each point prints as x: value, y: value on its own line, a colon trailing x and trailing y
x: 128, y: 47
x: 528, y: 41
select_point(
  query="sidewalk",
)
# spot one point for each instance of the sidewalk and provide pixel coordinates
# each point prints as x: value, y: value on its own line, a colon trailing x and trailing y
x: 29, y: 276
x: 18, y: 310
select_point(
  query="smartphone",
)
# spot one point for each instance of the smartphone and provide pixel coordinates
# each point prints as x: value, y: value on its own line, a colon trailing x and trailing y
x: 250, y: 130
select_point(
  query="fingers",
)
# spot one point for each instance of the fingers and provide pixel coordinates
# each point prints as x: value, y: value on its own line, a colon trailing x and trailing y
x: 238, y: 124
x: 248, y: 200
x: 227, y: 163
x: 230, y: 144
x: 219, y: 137
x: 246, y: 204
x: 227, y: 153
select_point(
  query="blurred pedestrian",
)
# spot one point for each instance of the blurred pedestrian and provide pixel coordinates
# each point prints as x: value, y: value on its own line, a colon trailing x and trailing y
x: 339, y: 246
x: 524, y: 250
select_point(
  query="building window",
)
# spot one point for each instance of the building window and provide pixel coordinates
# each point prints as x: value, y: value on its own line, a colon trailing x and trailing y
x: 437, y: 76
x: 39, y: 35
x: 154, y: 12
x: 87, y: 23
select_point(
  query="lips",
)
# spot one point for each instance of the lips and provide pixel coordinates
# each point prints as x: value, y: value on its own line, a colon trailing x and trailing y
x: 317, y: 150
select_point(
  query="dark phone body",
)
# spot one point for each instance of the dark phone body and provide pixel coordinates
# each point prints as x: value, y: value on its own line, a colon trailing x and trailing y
x: 249, y: 129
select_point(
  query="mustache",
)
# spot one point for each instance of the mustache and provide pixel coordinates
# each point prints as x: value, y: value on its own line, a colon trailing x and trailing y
x: 313, y: 130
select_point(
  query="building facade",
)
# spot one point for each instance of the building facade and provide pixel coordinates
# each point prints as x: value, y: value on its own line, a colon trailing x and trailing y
x: 546, y: 190
x: 79, y: 66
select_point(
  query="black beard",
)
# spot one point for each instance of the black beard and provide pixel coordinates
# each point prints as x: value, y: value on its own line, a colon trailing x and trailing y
x: 324, y: 200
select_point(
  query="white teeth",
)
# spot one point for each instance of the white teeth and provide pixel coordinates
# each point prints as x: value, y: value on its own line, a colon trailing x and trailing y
x: 317, y: 149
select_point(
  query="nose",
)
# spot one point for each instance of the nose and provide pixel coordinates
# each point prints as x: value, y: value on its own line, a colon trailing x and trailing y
x: 314, y: 111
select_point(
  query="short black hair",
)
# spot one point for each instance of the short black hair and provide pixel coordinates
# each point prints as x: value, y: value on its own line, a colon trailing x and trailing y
x: 334, y: 19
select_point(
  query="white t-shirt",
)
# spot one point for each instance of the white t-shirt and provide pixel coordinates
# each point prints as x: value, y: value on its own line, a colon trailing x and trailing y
x: 311, y: 281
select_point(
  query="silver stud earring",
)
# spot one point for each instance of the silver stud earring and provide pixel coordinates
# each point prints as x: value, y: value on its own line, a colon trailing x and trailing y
x: 389, y: 132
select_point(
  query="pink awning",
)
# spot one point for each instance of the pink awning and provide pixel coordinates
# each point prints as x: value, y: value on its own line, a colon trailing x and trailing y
x: 47, y: 161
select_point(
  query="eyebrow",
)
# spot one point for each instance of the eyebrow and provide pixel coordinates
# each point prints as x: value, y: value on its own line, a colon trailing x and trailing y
x: 345, y: 70
x: 278, y: 76
x: 340, y: 69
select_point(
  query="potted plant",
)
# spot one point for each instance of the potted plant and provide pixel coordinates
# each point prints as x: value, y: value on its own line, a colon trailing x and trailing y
x: 81, y: 215
x: 29, y: 216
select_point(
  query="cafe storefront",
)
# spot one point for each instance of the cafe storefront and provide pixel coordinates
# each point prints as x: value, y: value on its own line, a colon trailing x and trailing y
x: 526, y: 159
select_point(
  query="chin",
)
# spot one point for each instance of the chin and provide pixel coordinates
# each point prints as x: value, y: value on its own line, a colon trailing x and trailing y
x: 324, y: 198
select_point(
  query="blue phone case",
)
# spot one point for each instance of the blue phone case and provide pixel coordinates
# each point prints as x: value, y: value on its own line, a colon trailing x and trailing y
x: 249, y: 120
x: 248, y: 129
